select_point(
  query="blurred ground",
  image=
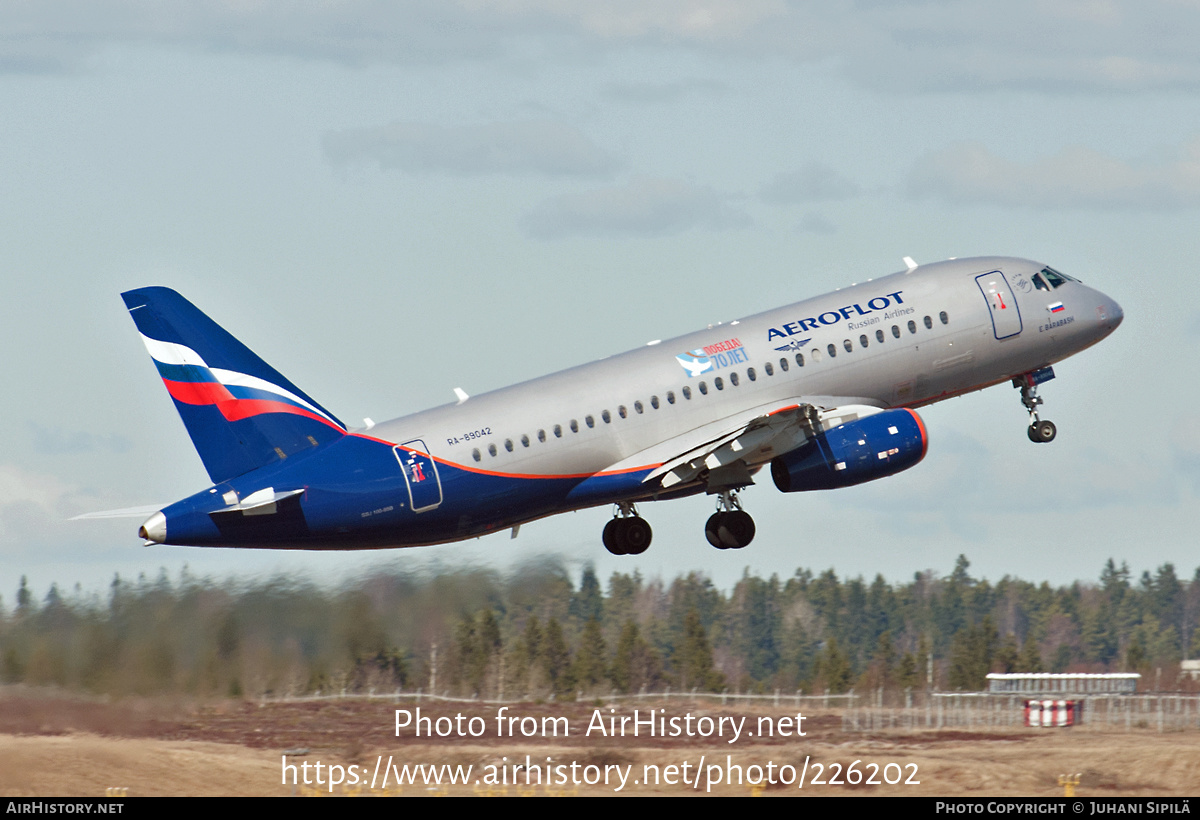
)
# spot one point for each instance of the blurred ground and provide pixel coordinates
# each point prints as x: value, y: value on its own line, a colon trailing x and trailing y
x: 59, y: 746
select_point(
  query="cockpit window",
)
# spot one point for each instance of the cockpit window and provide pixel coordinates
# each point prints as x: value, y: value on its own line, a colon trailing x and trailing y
x: 1055, y: 278
x: 1039, y: 282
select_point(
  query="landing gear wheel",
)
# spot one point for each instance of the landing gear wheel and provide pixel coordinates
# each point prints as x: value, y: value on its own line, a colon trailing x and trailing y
x: 636, y: 535
x: 736, y: 529
x: 1039, y: 431
x: 729, y: 530
x: 612, y: 541
x: 628, y: 533
x: 1042, y: 432
x: 712, y: 530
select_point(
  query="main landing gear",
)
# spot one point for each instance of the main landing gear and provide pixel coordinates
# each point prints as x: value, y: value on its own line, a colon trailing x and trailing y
x: 1039, y: 431
x: 628, y: 533
x: 730, y: 527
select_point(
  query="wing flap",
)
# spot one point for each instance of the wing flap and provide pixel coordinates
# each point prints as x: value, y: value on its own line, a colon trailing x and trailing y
x: 742, y: 442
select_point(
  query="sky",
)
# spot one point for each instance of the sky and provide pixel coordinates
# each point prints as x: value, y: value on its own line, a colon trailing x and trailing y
x: 387, y: 201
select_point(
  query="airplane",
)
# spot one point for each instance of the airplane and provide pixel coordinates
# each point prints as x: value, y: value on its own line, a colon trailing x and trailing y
x: 823, y: 391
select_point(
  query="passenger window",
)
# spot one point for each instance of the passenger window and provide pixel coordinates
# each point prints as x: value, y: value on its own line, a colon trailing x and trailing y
x: 687, y: 392
x: 770, y: 370
x: 589, y: 421
x: 912, y: 326
x: 492, y: 450
x: 849, y: 347
x: 799, y: 360
x: 783, y: 365
x: 607, y: 416
x: 945, y: 319
x: 542, y: 436
x: 508, y: 445
x: 733, y: 379
x: 703, y: 388
x: 637, y: 408
x: 653, y: 402
x: 558, y: 431
x: 751, y: 375
x: 719, y: 382
x: 475, y: 454
x: 574, y: 426
x: 928, y: 323
x: 832, y: 350
x: 879, y: 336
x: 524, y: 440
x: 670, y: 397
x: 896, y: 331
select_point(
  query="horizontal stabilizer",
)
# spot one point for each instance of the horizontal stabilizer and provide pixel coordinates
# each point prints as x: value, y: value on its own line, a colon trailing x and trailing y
x: 263, y: 502
x: 127, y: 512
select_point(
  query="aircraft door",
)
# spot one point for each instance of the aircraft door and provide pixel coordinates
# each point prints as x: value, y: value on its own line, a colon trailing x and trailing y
x: 420, y: 474
x: 1002, y: 304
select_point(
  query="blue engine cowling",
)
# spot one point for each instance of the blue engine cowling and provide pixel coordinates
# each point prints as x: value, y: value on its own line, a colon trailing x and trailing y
x: 862, y: 450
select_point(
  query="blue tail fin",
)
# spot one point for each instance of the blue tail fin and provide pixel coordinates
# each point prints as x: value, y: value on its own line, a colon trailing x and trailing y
x: 241, y: 413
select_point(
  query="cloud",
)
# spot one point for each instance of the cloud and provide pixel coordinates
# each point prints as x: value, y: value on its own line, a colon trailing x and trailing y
x: 815, y: 223
x: 1076, y: 177
x: 812, y: 183
x: 57, y: 441
x: 33, y: 507
x: 904, y: 45
x: 699, y: 20
x: 642, y: 207
x: 1185, y: 442
x: 970, y: 487
x: 529, y: 147
x: 658, y: 93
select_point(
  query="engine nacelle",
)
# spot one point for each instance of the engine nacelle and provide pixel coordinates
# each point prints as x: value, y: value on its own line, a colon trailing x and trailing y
x: 879, y: 445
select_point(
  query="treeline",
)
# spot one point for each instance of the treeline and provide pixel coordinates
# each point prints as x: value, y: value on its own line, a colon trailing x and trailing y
x: 534, y: 633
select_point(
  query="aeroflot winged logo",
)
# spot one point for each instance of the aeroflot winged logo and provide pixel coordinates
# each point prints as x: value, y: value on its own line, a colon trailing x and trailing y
x: 712, y: 357
x: 879, y: 304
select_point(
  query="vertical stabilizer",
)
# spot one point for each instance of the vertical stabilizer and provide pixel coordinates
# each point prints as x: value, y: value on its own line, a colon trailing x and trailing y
x: 241, y: 413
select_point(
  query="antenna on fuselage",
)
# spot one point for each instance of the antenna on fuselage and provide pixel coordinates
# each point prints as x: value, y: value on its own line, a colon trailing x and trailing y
x: 910, y: 264
x: 462, y: 395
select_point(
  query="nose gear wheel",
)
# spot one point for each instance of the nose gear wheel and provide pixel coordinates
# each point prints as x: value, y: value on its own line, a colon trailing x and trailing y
x: 1039, y: 431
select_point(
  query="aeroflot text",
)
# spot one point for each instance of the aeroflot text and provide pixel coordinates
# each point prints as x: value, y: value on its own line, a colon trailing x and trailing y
x: 832, y: 317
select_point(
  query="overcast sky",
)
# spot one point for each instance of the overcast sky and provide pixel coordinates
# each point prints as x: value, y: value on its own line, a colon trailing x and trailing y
x: 390, y: 200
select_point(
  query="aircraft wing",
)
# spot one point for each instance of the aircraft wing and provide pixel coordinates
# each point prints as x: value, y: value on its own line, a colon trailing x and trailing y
x: 724, y: 453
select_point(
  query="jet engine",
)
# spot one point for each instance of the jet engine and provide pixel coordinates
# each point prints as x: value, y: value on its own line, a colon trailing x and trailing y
x: 878, y: 445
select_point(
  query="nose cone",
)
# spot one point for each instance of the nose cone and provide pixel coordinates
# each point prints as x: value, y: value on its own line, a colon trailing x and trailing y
x: 154, y: 531
x: 1115, y: 314
x: 1109, y: 312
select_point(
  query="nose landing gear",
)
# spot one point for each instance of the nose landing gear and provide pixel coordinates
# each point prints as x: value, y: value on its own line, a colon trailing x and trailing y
x: 730, y: 527
x: 1039, y: 431
x: 628, y: 533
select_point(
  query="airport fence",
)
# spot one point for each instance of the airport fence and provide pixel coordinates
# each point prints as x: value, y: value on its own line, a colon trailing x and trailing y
x: 982, y: 710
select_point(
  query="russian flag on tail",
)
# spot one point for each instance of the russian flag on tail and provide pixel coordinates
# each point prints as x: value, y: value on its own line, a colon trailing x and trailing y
x: 240, y: 412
